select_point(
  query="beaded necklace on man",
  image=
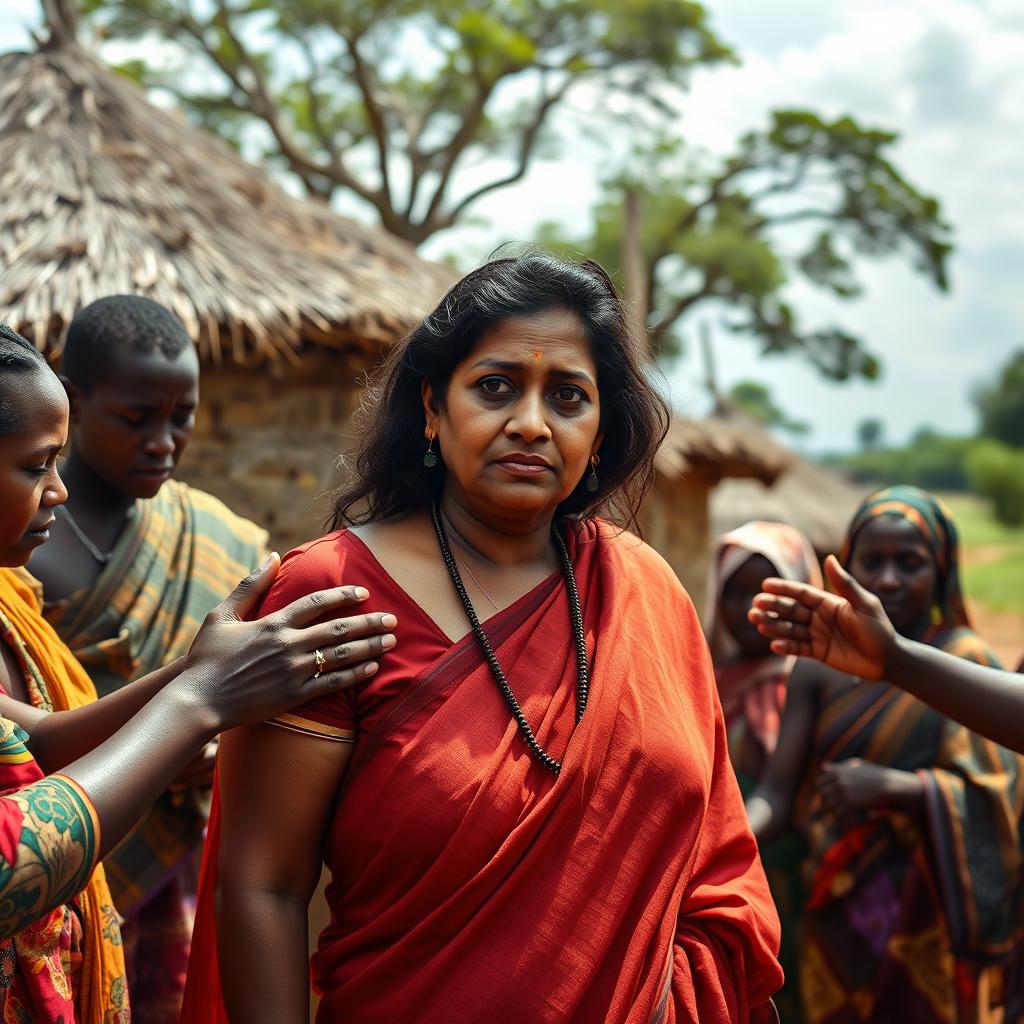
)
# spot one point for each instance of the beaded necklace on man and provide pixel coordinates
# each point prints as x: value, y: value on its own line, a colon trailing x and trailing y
x: 575, y: 614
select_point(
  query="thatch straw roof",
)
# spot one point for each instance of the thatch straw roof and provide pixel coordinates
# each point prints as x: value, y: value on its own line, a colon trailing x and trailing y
x: 815, y: 500
x: 101, y: 193
x: 718, y: 448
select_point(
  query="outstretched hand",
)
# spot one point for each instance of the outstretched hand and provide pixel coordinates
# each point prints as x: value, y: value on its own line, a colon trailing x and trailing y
x: 247, y: 672
x: 848, y: 630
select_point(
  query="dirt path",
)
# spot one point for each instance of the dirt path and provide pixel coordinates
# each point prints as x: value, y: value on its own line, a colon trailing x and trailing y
x: 1003, y: 631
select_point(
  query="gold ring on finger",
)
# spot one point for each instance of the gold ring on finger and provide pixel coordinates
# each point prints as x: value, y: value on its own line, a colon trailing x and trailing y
x: 318, y: 657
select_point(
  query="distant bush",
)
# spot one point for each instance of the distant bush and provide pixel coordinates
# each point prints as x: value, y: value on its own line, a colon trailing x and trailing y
x: 931, y: 461
x: 996, y: 472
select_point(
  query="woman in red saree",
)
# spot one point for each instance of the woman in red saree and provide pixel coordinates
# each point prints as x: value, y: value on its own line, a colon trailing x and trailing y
x: 584, y: 860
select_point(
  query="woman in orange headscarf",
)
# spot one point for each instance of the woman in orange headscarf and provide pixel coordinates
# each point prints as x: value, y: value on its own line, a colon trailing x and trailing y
x: 529, y: 814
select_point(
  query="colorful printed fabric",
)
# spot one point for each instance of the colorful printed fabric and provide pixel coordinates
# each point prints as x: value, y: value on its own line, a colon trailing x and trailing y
x: 912, y: 919
x: 179, y: 555
x: 70, y: 957
x: 469, y: 883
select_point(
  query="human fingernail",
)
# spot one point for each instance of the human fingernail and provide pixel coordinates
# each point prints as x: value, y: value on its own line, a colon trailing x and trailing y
x: 388, y: 621
x: 370, y: 668
x: 266, y: 561
x: 361, y: 593
x: 387, y: 640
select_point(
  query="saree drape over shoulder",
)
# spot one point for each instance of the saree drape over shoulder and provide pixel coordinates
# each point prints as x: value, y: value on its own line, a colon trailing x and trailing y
x: 912, y: 920
x: 64, y: 965
x: 468, y: 883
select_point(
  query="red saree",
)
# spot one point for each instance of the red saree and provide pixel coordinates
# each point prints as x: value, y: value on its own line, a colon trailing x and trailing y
x: 468, y: 883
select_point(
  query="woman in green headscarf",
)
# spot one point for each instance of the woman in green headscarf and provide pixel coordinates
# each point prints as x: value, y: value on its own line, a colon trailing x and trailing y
x: 912, y: 821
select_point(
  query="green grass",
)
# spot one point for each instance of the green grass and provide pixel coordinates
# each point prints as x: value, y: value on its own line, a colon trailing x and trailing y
x: 998, y: 584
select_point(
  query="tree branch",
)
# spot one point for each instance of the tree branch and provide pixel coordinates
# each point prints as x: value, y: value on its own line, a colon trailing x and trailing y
x: 456, y: 146
x: 795, y: 217
x: 262, y: 105
x: 324, y: 137
x: 527, y: 145
x: 687, y: 221
x: 683, y: 304
x: 374, y: 112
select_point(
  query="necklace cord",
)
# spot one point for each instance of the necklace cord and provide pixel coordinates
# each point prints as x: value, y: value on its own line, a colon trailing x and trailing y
x: 84, y: 539
x: 580, y: 643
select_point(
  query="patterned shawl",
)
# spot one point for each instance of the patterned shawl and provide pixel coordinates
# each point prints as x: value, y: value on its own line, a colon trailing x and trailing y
x: 753, y: 690
x: 56, y: 682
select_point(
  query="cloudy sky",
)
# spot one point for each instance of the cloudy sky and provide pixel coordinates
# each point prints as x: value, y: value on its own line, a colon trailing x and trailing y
x: 947, y: 74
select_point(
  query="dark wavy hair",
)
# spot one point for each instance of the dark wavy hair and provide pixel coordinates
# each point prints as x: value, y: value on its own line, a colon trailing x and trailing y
x: 387, y: 459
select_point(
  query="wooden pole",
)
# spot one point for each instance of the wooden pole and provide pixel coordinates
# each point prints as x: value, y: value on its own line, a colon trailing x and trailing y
x: 710, y: 375
x: 633, y: 257
x: 61, y: 18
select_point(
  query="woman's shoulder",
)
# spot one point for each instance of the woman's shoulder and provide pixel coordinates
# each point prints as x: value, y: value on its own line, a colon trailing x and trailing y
x: 336, y: 559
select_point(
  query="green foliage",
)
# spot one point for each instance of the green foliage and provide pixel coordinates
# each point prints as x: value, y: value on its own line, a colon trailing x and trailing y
x: 756, y: 400
x: 931, y: 461
x: 1001, y: 404
x: 390, y: 99
x: 996, y: 579
x: 870, y: 432
x: 710, y: 234
x: 996, y: 472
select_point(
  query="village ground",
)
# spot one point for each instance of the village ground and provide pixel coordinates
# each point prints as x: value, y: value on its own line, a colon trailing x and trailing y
x: 993, y: 576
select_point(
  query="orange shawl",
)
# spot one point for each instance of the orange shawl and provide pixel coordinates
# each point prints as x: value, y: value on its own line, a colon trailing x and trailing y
x: 59, y: 684
x: 629, y: 890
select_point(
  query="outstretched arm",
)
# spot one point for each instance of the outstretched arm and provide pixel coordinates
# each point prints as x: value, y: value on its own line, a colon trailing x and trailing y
x: 58, y: 738
x: 848, y: 630
x: 236, y: 673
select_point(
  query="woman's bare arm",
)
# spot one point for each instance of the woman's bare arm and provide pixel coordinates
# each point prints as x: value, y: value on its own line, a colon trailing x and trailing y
x: 770, y: 806
x: 277, y: 792
x: 848, y: 630
x: 57, y: 739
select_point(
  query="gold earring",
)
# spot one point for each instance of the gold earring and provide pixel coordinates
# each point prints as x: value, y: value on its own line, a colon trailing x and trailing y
x: 593, y: 483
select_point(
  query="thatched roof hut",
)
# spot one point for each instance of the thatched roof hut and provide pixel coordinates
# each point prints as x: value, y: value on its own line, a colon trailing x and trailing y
x: 101, y: 193
x: 817, y: 501
x: 698, y: 459
x: 717, y: 449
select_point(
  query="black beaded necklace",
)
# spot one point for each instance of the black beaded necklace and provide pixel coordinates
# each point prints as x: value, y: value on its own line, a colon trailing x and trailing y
x: 582, y: 665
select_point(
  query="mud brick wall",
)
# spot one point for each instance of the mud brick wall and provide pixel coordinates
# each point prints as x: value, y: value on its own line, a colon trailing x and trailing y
x: 267, y: 440
x: 676, y: 524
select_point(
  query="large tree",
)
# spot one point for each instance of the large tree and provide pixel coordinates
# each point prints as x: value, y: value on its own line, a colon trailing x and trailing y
x: 392, y: 100
x: 805, y: 198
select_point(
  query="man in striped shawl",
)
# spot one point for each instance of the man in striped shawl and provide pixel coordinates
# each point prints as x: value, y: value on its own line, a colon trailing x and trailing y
x: 135, y: 562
